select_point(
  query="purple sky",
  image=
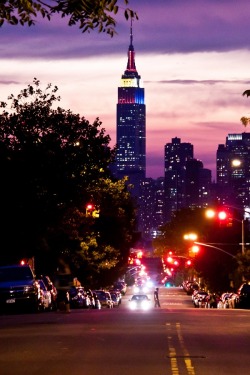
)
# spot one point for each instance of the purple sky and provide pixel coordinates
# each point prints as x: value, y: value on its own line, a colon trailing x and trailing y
x: 193, y: 57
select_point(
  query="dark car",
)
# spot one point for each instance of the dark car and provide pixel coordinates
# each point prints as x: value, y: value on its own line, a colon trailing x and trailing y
x: 242, y: 300
x: 104, y: 298
x: 18, y: 287
x: 121, y: 286
x: 115, y: 299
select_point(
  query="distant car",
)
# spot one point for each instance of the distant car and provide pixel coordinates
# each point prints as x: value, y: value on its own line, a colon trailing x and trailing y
x: 79, y: 298
x: 140, y: 301
x: 243, y: 297
x: 122, y: 286
x: 118, y: 293
x: 115, y: 299
x: 199, y: 298
x: 104, y: 298
x: 140, y: 288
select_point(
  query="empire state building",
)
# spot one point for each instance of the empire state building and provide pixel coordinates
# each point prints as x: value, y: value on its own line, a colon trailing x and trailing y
x: 131, y: 125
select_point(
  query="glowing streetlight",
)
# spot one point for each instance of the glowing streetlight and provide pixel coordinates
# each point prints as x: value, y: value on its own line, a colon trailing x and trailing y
x: 190, y: 236
x: 195, y: 249
x: 236, y: 163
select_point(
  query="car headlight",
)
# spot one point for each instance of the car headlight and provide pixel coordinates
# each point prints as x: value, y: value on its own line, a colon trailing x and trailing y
x: 29, y: 289
x: 145, y: 305
x: 133, y: 305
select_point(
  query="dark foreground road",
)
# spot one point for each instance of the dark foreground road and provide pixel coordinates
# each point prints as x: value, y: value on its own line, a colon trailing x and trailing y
x: 176, y: 339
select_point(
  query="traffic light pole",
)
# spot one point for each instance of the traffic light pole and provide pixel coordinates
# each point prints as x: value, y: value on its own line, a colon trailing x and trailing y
x: 242, y: 236
x: 214, y: 247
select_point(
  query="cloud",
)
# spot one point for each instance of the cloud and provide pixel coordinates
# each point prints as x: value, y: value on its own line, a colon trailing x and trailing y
x: 200, y: 82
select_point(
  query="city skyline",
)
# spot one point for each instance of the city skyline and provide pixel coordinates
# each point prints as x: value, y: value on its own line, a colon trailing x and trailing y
x: 193, y: 58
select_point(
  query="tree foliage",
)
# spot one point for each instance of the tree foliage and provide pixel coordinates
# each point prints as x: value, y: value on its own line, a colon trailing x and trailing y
x: 53, y: 162
x: 87, y: 14
x: 245, y: 120
x: 217, y: 268
x: 185, y: 221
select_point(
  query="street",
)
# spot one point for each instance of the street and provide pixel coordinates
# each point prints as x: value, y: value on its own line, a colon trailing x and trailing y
x: 176, y: 339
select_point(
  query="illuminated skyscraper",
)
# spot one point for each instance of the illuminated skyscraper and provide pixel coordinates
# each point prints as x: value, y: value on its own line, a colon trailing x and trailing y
x: 131, y: 125
x: 233, y: 170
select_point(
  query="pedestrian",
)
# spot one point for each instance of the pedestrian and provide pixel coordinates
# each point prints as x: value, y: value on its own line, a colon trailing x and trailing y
x: 156, y: 297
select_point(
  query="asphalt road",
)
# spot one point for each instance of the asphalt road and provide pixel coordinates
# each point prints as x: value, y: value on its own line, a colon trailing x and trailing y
x: 176, y: 339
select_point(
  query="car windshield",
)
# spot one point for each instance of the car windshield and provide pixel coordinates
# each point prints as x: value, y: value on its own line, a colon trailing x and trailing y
x: 139, y: 298
x: 15, y: 274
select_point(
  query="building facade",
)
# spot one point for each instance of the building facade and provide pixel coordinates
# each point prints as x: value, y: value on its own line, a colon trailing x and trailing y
x: 131, y: 125
x: 187, y: 183
x: 233, y: 170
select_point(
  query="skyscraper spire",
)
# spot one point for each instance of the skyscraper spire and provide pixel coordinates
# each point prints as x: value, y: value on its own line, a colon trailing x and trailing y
x: 131, y: 125
x: 131, y: 54
x: 131, y: 33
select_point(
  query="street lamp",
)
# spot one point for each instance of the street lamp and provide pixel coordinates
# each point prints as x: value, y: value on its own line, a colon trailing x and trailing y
x: 190, y: 236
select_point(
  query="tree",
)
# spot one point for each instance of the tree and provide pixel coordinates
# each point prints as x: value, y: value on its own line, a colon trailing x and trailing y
x: 87, y: 14
x: 245, y: 120
x: 52, y: 163
x: 115, y: 225
x: 185, y: 221
x: 215, y: 267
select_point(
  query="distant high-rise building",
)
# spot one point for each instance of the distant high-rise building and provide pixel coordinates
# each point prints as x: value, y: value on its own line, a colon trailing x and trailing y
x: 176, y: 156
x: 187, y: 183
x: 151, y: 206
x: 131, y: 125
x: 233, y: 170
x: 198, y: 184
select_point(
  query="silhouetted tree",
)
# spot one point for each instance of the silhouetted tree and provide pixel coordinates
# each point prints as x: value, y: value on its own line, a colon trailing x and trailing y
x: 87, y: 14
x: 53, y: 163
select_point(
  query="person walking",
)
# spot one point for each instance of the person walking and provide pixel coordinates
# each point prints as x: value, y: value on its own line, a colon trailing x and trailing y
x: 156, y: 297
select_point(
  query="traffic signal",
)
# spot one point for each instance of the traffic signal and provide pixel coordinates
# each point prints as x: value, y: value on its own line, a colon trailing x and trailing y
x: 225, y: 218
x: 91, y: 210
x: 222, y: 215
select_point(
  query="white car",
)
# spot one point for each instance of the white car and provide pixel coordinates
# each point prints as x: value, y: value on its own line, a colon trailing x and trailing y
x: 45, y: 296
x: 140, y: 302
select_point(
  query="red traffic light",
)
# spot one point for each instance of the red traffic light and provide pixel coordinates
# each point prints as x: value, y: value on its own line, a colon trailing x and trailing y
x: 89, y: 207
x: 222, y: 215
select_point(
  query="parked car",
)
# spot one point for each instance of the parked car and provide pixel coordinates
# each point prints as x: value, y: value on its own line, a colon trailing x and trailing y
x: 104, y: 298
x: 242, y: 300
x: 18, y: 287
x: 63, y: 283
x: 115, y: 299
x: 200, y: 298
x: 45, y: 300
x: 122, y: 286
x: 79, y: 298
x: 118, y: 293
x: 190, y: 286
x: 52, y: 289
